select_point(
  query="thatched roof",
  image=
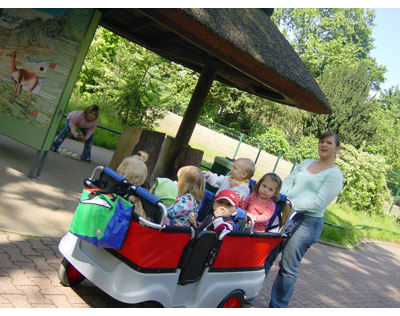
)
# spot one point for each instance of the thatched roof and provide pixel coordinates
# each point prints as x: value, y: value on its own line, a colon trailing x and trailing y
x: 249, y: 51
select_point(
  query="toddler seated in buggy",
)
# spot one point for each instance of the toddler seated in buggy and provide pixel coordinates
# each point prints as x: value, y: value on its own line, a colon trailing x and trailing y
x: 283, y: 209
x: 220, y: 220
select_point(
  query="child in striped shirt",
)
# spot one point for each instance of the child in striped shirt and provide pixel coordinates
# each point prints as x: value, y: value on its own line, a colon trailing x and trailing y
x: 261, y: 203
x: 225, y: 204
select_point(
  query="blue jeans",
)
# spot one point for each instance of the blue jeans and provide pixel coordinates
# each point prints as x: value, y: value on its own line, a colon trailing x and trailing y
x: 306, y: 231
x: 86, y: 154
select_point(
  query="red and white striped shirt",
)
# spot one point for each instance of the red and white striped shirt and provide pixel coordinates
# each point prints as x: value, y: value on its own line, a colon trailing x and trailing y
x: 261, y: 211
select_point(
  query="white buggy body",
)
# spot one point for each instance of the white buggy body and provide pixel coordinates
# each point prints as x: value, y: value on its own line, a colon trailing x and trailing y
x: 173, y: 266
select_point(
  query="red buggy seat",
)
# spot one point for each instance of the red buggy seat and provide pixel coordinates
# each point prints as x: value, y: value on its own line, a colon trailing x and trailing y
x: 150, y: 250
x: 241, y: 251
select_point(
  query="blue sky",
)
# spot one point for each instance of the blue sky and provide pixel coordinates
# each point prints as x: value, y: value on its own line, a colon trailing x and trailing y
x: 387, y: 43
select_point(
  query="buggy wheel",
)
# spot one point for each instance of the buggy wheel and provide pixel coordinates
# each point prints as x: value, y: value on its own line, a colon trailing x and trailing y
x: 234, y: 300
x: 68, y: 275
x: 151, y: 304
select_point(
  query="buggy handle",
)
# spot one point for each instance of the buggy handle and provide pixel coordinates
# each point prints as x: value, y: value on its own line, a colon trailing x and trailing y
x: 251, y: 219
x: 290, y: 215
x: 138, y: 190
x: 92, y: 178
x: 115, y: 175
x: 160, y: 226
x: 251, y: 229
x: 141, y: 192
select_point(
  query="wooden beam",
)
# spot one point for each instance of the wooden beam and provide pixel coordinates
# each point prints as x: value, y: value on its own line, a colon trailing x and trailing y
x: 192, y: 113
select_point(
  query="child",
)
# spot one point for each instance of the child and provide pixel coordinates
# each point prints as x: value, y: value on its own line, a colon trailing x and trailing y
x: 134, y: 170
x: 260, y: 204
x: 237, y: 180
x: 166, y: 190
x: 86, y: 121
x: 225, y: 204
x: 190, y: 194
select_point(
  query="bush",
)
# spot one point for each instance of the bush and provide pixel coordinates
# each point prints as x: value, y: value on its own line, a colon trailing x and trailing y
x: 307, y: 148
x: 274, y: 141
x: 364, y: 180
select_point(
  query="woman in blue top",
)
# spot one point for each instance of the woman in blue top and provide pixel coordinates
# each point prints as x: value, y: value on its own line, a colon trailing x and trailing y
x: 311, y: 187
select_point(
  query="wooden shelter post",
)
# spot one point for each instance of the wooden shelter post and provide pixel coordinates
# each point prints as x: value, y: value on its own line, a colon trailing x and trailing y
x: 192, y: 112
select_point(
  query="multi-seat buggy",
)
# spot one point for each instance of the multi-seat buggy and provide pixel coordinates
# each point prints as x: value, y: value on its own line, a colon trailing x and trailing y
x: 168, y: 265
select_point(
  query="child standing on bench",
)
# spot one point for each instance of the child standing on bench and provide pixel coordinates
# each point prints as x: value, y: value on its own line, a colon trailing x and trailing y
x: 190, y: 194
x: 261, y: 203
x: 237, y: 180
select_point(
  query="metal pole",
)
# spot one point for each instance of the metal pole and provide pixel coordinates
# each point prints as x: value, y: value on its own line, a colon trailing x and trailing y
x: 394, y: 200
x: 259, y: 151
x: 398, y: 191
x: 237, y: 148
x: 277, y: 160
x: 294, y: 164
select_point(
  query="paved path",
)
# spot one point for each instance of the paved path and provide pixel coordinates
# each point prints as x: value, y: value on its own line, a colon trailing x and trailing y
x: 330, y: 277
x: 368, y: 276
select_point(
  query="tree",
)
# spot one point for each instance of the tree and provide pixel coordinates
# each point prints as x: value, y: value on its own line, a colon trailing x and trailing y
x: 347, y: 89
x: 126, y: 77
x: 386, y: 140
x: 390, y: 99
x: 331, y: 37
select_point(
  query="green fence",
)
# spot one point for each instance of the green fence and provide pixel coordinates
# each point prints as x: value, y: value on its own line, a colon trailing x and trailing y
x: 393, y: 184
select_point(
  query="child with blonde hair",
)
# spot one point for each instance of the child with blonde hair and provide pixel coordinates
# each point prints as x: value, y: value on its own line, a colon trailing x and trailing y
x: 261, y: 203
x: 237, y: 179
x: 134, y: 169
x: 191, y: 188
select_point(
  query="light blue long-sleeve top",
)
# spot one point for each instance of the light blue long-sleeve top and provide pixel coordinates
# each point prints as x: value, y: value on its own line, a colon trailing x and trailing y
x: 312, y: 192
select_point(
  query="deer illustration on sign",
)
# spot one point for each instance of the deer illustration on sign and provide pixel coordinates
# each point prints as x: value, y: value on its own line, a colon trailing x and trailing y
x: 22, y: 77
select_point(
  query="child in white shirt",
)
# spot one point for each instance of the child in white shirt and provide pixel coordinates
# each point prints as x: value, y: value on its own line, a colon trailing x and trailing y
x: 237, y: 179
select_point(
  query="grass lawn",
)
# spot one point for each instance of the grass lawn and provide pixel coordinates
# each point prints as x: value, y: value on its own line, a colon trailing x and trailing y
x: 358, y: 226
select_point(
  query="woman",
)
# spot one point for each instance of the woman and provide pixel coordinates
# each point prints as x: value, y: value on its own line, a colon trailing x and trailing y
x: 311, y: 187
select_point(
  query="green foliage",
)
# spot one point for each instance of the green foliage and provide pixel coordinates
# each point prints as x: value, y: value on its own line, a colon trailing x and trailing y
x: 275, y: 141
x: 330, y: 37
x: 125, y: 76
x: 347, y: 88
x: 364, y: 180
x: 385, y: 141
x: 306, y: 148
